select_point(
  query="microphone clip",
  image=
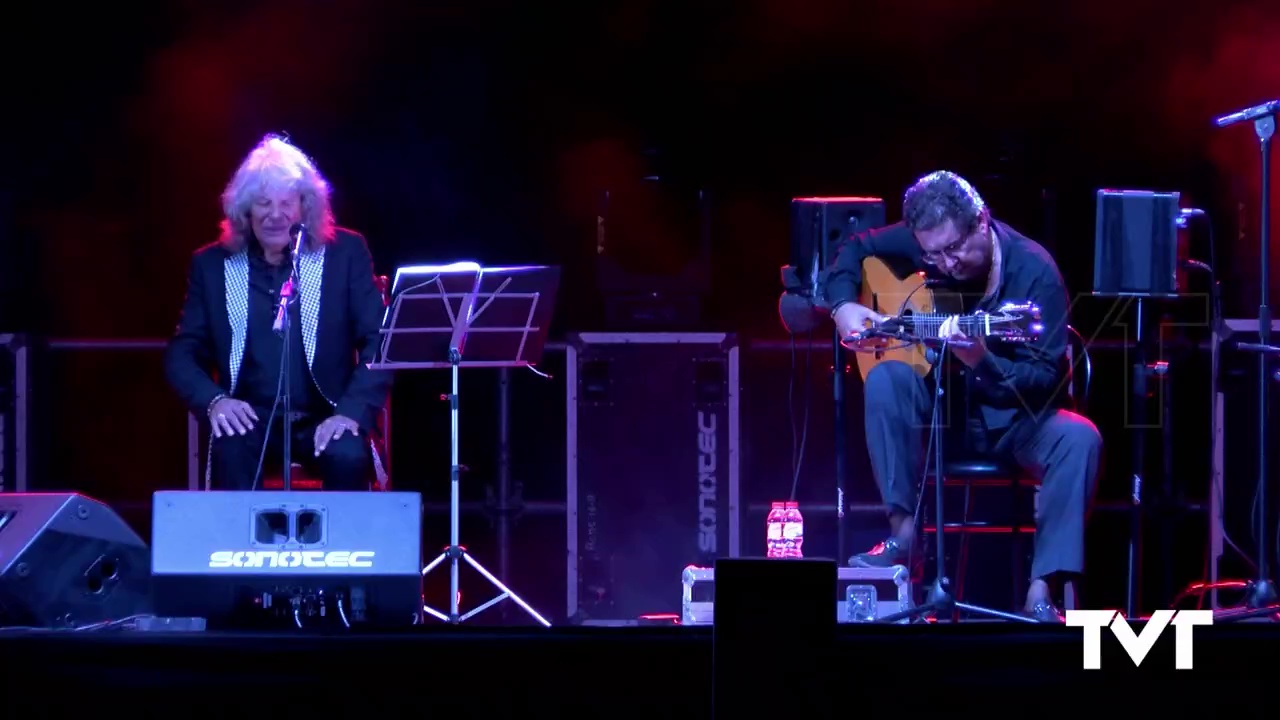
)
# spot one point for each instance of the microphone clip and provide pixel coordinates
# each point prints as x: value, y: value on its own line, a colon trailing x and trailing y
x: 287, y: 291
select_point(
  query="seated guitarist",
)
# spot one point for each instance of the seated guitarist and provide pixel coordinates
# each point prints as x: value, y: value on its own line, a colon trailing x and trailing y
x: 1016, y: 392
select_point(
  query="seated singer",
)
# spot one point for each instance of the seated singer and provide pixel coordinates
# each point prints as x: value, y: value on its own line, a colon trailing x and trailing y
x: 226, y: 331
x: 1016, y: 392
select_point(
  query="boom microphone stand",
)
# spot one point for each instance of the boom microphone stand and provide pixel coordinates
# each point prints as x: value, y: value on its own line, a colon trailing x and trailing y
x: 939, y: 601
x: 1261, y: 598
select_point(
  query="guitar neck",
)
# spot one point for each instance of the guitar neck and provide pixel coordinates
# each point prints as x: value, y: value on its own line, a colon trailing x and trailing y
x: 928, y: 324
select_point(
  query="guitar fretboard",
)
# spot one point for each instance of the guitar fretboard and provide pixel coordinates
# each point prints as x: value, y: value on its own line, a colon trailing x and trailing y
x: 928, y: 324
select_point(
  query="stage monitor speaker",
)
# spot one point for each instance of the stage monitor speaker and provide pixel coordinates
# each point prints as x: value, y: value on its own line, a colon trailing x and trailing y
x: 308, y: 559
x: 824, y: 223
x: 68, y: 561
x: 1136, y: 243
x: 773, y: 628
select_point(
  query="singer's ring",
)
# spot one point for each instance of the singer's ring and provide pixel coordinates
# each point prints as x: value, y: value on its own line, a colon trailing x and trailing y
x: 222, y: 416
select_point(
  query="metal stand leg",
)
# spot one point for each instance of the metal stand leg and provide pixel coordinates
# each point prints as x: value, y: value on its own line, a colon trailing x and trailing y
x: 505, y: 507
x: 1133, y: 582
x: 841, y: 441
x: 455, y: 551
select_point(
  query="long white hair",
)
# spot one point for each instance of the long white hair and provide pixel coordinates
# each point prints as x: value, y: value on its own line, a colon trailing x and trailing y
x: 273, y: 164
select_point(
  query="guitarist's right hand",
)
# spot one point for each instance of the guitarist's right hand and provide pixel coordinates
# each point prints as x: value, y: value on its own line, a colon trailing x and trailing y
x: 852, y: 318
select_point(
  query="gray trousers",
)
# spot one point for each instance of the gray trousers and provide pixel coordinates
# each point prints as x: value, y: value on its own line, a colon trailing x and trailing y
x: 1061, y: 450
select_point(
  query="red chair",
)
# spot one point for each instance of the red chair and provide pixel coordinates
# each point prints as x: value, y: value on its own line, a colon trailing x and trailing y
x: 299, y: 479
x: 382, y: 432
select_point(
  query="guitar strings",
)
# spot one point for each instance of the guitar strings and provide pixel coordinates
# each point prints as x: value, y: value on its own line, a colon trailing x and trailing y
x: 928, y: 324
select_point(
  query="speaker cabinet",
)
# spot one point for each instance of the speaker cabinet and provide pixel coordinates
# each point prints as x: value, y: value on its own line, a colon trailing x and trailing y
x: 652, y: 481
x: 819, y: 225
x: 271, y: 559
x: 68, y: 561
x: 1136, y: 243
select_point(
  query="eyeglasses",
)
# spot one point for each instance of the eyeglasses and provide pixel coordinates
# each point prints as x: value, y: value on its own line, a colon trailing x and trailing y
x: 935, y: 257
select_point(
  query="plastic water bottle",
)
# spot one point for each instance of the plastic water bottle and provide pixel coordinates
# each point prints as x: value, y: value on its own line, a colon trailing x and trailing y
x: 792, y: 530
x: 773, y: 534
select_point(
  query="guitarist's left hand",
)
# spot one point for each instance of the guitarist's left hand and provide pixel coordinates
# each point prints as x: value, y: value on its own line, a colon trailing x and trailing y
x: 970, y: 355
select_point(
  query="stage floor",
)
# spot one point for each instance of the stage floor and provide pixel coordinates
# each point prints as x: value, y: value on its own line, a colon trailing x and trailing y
x: 595, y: 672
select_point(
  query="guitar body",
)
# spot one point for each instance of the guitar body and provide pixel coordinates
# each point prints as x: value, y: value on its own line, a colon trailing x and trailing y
x: 892, y: 292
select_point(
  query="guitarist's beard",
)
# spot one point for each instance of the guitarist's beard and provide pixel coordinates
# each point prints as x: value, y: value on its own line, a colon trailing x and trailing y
x: 971, y: 274
x: 970, y: 291
x: 975, y: 275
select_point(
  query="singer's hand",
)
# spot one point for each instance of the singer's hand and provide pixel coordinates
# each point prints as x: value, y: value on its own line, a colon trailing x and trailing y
x: 332, y: 429
x: 852, y: 318
x: 231, y: 417
x: 971, y: 354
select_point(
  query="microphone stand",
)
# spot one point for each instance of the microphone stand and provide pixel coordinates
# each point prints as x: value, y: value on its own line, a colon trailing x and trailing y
x: 938, y: 600
x: 283, y: 326
x: 1261, y: 597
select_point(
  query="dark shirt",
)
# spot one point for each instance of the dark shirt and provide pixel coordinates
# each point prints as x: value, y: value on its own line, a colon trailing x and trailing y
x: 260, y: 370
x: 1023, y: 379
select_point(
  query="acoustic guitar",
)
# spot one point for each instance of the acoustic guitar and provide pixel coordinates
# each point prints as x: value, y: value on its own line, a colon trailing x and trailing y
x: 916, y: 312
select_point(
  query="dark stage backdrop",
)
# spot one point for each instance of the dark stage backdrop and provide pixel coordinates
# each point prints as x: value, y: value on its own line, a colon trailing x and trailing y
x: 491, y: 131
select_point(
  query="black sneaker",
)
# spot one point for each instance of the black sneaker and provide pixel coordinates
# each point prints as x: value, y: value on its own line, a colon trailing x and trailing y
x: 887, y: 554
x: 1045, y: 612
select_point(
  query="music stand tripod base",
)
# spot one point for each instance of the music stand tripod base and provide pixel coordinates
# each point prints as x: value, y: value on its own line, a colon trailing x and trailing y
x: 456, y: 316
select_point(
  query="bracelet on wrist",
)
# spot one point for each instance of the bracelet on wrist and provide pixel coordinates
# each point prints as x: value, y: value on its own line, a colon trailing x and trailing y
x: 208, y: 411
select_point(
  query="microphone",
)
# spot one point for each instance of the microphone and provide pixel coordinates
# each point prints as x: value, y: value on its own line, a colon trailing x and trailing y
x: 1253, y: 113
x: 299, y: 232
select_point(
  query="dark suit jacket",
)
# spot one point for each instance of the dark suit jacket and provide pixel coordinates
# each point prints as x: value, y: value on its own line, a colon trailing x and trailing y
x: 197, y: 360
x: 1014, y: 379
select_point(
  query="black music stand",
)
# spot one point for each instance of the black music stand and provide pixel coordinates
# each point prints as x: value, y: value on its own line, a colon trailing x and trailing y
x: 1136, y: 260
x: 463, y: 315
